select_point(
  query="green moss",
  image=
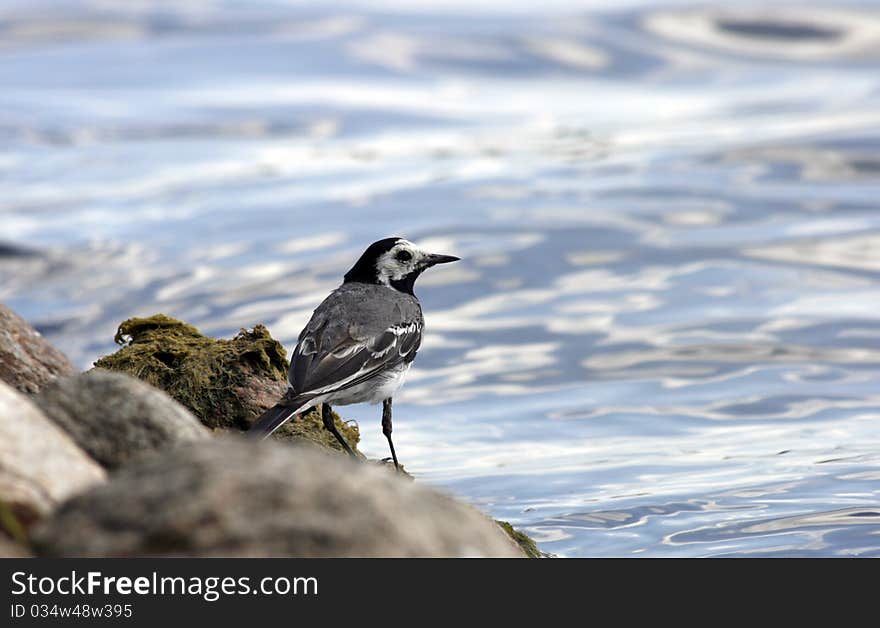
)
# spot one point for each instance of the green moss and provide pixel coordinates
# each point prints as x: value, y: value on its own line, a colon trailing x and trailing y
x: 309, y: 427
x: 225, y: 383
x: 11, y: 526
x: 525, y: 542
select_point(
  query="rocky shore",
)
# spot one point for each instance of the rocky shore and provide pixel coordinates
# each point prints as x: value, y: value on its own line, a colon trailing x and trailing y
x: 144, y: 456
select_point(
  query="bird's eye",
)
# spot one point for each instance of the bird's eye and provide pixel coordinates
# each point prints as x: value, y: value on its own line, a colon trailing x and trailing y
x: 404, y: 256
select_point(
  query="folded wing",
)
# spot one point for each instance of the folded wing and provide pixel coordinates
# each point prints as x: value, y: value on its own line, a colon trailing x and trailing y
x: 330, y: 357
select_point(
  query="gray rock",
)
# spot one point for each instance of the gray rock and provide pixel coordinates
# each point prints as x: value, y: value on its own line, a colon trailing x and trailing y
x: 234, y: 497
x: 115, y: 417
x: 40, y: 465
x: 27, y: 360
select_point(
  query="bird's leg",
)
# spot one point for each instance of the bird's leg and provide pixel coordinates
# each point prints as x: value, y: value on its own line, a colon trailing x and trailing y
x: 327, y: 418
x: 386, y: 429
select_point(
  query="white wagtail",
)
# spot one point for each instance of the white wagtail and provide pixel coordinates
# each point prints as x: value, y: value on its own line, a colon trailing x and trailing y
x: 360, y: 341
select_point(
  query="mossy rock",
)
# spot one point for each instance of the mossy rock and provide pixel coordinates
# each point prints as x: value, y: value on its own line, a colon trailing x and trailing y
x: 227, y: 384
x: 10, y: 526
x: 309, y: 428
x: 525, y: 542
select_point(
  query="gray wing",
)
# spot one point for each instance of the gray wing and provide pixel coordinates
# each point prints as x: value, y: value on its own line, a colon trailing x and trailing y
x: 333, y: 353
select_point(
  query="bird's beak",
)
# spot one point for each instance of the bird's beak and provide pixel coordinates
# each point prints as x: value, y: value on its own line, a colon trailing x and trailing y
x: 432, y: 259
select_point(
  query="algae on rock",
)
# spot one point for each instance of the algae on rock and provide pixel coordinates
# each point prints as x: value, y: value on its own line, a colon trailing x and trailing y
x: 309, y: 428
x: 526, y: 543
x: 227, y: 384
x: 10, y: 525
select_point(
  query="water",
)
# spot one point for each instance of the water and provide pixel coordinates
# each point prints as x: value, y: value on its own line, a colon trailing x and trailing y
x: 664, y: 338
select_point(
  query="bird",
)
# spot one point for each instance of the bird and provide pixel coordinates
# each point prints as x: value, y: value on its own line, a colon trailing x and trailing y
x: 360, y: 341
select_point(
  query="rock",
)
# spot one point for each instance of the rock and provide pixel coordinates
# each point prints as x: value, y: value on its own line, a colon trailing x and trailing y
x: 115, y: 417
x: 309, y: 429
x: 204, y: 374
x: 235, y: 497
x: 40, y: 465
x: 27, y: 360
x: 526, y: 543
x: 11, y: 549
x: 13, y: 536
x: 226, y: 384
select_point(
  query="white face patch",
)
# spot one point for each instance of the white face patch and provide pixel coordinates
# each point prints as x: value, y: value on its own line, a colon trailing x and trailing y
x: 401, y: 260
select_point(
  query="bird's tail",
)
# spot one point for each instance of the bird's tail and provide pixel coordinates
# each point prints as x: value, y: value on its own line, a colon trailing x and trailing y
x: 276, y: 416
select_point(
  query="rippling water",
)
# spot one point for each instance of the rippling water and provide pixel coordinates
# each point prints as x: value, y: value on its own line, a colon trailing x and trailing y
x: 665, y: 336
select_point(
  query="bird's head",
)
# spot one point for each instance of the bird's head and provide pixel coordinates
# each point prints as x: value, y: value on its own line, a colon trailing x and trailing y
x: 394, y: 262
